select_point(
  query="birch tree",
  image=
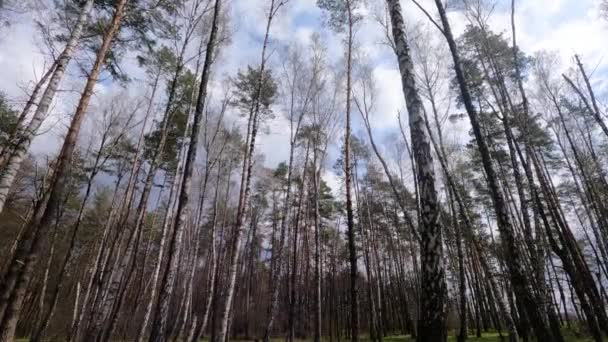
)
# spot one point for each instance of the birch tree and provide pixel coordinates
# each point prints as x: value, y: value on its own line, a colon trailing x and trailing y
x: 431, y: 324
x: 12, y: 157
x: 30, y: 244
x: 259, y: 98
x: 158, y: 333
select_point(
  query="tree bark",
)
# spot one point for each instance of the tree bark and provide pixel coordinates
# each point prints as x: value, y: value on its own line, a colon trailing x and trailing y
x: 432, y: 320
x: 277, y: 259
x: 159, y: 330
x: 352, y: 247
x: 518, y: 278
x: 245, y: 184
x: 15, y: 157
x: 46, y: 316
x: 13, y: 138
x: 45, y: 209
x: 595, y: 111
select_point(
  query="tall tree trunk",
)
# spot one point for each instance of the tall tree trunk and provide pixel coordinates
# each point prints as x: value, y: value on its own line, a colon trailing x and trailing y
x: 276, y: 264
x: 245, y: 183
x: 199, y: 329
x: 159, y: 330
x: 317, y: 253
x: 350, y: 223
x: 168, y: 220
x: 6, y: 149
x: 94, y: 278
x: 595, y: 111
x: 375, y: 333
x: 518, y: 278
x: 46, y: 208
x: 46, y: 316
x: 294, y: 266
x: 432, y: 320
x: 190, y: 323
x: 15, y: 157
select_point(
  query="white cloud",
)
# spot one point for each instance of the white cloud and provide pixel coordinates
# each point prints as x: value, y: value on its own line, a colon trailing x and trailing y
x: 20, y: 59
x: 274, y: 141
x: 568, y: 26
x: 389, y: 97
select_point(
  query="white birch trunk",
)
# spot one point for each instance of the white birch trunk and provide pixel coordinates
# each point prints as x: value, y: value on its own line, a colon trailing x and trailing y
x: 17, y: 155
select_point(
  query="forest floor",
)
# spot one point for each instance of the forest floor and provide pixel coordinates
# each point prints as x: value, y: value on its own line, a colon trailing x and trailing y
x: 487, y: 337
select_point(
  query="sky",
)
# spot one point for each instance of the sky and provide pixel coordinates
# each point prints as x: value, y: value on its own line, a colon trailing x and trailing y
x: 564, y: 26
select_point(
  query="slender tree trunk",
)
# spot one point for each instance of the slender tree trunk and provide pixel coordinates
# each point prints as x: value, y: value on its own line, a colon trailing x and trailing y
x: 375, y: 333
x: 14, y: 158
x: 462, y: 292
x: 199, y: 329
x: 518, y: 278
x: 15, y: 134
x: 46, y: 316
x: 294, y: 268
x: 46, y: 208
x: 277, y: 259
x: 45, y: 282
x: 245, y: 184
x: 595, y: 111
x: 159, y: 332
x: 352, y: 248
x: 94, y: 279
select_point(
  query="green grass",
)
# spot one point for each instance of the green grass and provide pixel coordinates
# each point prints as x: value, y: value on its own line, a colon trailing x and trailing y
x: 486, y: 337
x: 569, y: 336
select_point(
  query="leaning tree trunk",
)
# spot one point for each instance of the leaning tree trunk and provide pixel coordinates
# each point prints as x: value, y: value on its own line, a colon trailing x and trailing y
x: 15, y: 157
x: 121, y: 274
x: 45, y: 209
x: 46, y: 316
x: 17, y: 130
x: 595, y: 111
x: 199, y: 328
x: 519, y: 281
x: 190, y: 317
x: 432, y: 320
x: 476, y: 247
x: 97, y: 265
x: 168, y: 220
x: 159, y: 332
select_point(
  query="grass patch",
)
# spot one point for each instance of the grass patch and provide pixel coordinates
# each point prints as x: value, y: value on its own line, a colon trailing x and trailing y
x: 569, y: 336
